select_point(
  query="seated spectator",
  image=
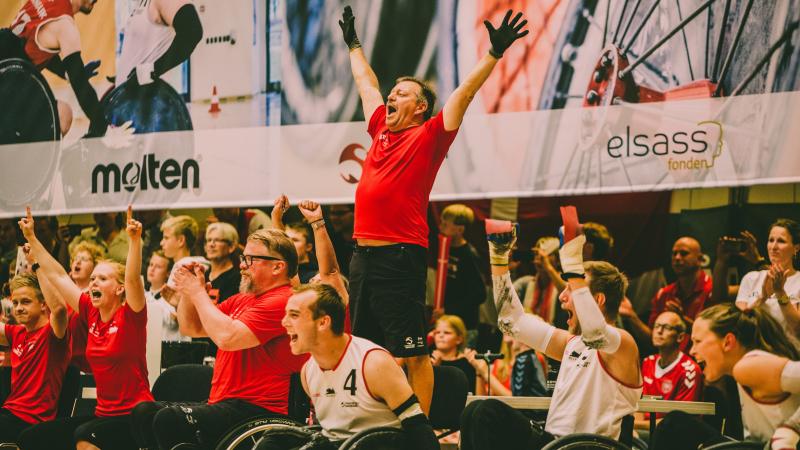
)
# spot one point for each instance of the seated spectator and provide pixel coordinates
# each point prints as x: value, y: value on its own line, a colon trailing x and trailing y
x: 734, y: 252
x: 671, y: 374
x: 246, y: 221
x: 520, y: 373
x: 599, y: 242
x: 84, y: 257
x: 777, y: 289
x: 686, y: 297
x: 539, y: 292
x: 221, y: 242
x: 465, y: 289
x: 450, y: 338
x: 40, y: 345
x: 157, y: 273
x: 108, y: 234
x: 179, y: 236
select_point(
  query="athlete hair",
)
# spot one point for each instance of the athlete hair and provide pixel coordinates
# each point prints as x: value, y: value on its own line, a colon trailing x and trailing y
x: 753, y: 328
x: 26, y: 280
x: 605, y: 278
x: 328, y: 303
x: 427, y: 95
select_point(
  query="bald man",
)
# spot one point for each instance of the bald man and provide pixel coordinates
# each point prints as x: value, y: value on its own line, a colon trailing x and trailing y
x: 687, y: 296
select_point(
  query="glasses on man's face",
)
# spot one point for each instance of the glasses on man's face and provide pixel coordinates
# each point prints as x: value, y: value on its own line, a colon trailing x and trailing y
x: 247, y: 260
x: 665, y: 327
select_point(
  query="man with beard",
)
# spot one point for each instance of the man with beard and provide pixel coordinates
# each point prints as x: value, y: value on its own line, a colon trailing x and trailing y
x: 599, y: 382
x: 254, y: 361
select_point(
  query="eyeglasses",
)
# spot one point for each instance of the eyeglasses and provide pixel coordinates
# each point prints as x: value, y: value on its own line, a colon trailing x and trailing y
x: 247, y: 260
x: 666, y: 327
x: 217, y: 241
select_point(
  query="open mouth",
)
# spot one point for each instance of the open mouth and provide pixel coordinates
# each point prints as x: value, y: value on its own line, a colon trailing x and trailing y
x: 292, y: 337
x: 96, y: 294
x: 390, y: 109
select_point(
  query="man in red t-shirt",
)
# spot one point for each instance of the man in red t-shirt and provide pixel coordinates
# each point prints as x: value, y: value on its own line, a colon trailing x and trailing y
x: 687, y: 296
x: 45, y: 33
x: 254, y: 361
x: 389, y: 265
x: 39, y: 357
x: 671, y: 374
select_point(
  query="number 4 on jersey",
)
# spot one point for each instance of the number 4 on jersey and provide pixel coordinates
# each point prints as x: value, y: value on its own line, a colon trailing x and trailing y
x: 350, y: 382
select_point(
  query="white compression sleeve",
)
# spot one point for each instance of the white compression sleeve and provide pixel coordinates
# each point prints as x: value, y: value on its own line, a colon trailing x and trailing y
x: 513, y: 321
x: 595, y: 332
x: 790, y: 377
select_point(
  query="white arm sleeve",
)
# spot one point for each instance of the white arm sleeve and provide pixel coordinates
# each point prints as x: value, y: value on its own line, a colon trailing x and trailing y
x: 513, y: 321
x: 790, y: 377
x: 595, y: 332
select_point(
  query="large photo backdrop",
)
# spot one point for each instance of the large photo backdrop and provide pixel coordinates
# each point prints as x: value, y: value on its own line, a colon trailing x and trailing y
x: 601, y: 97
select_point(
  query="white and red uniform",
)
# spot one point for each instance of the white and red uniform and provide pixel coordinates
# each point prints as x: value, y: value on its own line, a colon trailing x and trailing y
x: 258, y: 375
x: 31, y: 17
x: 116, y: 353
x: 38, y: 362
x: 587, y: 398
x: 342, y: 400
x: 681, y: 380
x: 760, y: 419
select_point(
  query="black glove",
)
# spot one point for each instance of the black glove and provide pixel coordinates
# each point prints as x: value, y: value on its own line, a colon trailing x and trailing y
x: 348, y: 25
x: 503, y: 37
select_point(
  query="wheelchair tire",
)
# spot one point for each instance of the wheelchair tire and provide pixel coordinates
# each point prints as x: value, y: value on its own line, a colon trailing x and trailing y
x: 380, y: 438
x: 246, y: 435
x: 585, y: 441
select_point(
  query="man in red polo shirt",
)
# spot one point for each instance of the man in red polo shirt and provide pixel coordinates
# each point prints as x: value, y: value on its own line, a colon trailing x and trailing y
x: 687, y: 296
x: 39, y: 357
x: 254, y: 361
x: 389, y: 265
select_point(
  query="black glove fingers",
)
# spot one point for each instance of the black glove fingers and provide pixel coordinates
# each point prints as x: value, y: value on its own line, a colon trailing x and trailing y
x: 521, y: 35
x: 348, y: 12
x: 505, y: 19
x: 489, y: 27
x: 520, y: 26
x: 514, y: 21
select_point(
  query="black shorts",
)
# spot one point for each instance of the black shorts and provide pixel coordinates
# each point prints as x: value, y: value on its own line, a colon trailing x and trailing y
x: 102, y: 432
x: 165, y: 424
x: 10, y: 426
x: 387, y: 297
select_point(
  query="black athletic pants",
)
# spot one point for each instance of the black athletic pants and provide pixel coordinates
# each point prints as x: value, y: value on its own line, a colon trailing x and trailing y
x: 491, y: 424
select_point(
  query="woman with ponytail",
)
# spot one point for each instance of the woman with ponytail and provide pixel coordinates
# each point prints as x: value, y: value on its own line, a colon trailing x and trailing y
x: 778, y: 288
x: 751, y: 346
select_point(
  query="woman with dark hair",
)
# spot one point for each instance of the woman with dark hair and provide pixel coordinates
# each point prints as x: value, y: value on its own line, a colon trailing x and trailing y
x: 750, y: 346
x: 778, y: 288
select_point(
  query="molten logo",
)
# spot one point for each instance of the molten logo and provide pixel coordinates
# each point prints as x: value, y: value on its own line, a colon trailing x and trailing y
x: 349, y: 154
x: 146, y: 175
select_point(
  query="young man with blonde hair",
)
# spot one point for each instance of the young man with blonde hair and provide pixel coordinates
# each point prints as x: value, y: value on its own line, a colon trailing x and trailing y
x: 180, y: 235
x: 39, y: 357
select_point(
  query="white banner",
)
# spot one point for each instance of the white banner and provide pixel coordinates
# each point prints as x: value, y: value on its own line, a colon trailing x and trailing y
x: 733, y: 141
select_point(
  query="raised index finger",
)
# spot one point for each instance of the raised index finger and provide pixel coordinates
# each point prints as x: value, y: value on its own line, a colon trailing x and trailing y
x: 130, y: 213
x: 28, y: 212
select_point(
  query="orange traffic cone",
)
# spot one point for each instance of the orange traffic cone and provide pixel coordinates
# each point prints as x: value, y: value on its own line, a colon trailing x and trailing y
x: 214, y: 101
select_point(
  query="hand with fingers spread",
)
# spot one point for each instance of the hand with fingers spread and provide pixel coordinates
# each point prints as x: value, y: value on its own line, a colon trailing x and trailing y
x: 310, y: 210
x: 133, y: 227
x: 505, y: 35
x: 26, y: 225
x: 750, y: 252
x: 348, y: 26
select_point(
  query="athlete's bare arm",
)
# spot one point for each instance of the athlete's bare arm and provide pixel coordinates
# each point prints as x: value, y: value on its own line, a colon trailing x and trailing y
x: 386, y: 380
x: 58, y: 308
x: 762, y: 375
x: 166, y: 9
x: 134, y: 286
x: 329, y: 272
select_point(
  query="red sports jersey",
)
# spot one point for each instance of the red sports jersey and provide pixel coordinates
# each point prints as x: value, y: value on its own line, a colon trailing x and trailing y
x: 397, y: 178
x: 116, y: 353
x: 31, y: 17
x: 38, y: 362
x: 78, y: 336
x: 258, y: 375
x: 681, y: 380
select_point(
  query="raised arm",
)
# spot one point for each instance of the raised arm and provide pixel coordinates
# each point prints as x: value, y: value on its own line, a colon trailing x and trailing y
x: 326, y: 256
x: 388, y: 383
x: 134, y: 286
x: 56, y: 305
x: 48, y: 267
x: 511, y: 317
x: 281, y: 204
x: 364, y: 76
x: 501, y: 38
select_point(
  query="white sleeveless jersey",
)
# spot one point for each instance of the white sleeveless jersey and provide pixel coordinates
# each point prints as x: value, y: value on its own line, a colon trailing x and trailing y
x: 761, y: 419
x: 587, y: 399
x: 144, y: 41
x: 342, y: 400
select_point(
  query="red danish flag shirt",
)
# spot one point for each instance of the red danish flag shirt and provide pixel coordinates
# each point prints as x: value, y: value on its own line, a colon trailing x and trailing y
x: 682, y: 380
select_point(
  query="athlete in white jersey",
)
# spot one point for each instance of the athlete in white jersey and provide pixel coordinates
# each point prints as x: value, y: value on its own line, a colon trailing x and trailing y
x: 599, y: 382
x: 159, y: 35
x: 353, y: 384
x: 752, y: 347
